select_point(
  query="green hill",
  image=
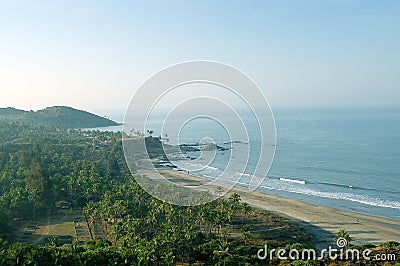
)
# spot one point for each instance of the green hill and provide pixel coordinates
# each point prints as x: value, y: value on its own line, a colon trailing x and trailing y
x: 57, y: 115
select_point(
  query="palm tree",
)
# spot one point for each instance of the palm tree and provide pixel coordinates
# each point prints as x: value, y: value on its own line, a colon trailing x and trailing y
x: 54, y: 241
x: 151, y: 218
x: 245, y: 230
x: 166, y: 139
x: 139, y: 197
x: 115, y: 233
x: 222, y: 252
x: 345, y: 235
x: 201, y: 216
x: 224, y: 233
x: 245, y: 208
x: 219, y: 191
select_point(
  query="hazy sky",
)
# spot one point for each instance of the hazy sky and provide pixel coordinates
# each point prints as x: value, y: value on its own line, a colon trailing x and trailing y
x: 94, y: 54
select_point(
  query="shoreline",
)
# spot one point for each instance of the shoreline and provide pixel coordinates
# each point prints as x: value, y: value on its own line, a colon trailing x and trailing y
x: 322, y: 222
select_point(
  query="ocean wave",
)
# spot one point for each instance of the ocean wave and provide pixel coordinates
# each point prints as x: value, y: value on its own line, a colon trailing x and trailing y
x: 297, y: 186
x: 337, y: 195
x: 203, y: 166
x: 302, y: 182
x: 349, y: 185
x: 275, y: 184
x: 236, y: 142
x: 243, y: 174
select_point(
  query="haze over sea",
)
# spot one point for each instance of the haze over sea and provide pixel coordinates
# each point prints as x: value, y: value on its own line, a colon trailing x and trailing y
x: 349, y: 159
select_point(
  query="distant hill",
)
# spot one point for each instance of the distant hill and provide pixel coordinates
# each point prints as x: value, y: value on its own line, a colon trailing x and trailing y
x: 57, y: 115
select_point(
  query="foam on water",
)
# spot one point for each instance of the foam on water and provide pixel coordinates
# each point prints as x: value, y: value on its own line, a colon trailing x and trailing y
x: 272, y: 184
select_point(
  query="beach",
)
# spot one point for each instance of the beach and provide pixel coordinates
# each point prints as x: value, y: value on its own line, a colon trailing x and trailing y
x: 322, y: 222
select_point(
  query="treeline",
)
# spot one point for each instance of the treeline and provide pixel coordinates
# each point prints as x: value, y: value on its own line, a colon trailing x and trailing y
x: 40, y: 166
x: 155, y: 231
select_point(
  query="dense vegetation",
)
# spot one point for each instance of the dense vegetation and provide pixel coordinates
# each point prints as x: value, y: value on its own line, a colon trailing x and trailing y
x: 57, y: 115
x: 41, y: 166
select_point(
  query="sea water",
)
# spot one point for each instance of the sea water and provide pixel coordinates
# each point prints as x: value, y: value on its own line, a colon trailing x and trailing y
x: 347, y: 159
x: 350, y: 159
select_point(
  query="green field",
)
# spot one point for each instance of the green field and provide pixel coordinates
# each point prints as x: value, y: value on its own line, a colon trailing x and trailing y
x: 60, y: 225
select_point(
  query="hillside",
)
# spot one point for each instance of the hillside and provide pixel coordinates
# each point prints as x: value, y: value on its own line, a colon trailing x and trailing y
x: 57, y: 115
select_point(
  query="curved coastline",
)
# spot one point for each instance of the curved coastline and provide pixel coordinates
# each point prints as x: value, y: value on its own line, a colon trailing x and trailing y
x: 323, y: 222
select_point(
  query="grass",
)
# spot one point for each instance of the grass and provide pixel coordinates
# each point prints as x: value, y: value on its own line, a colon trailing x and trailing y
x: 53, y: 225
x: 60, y: 228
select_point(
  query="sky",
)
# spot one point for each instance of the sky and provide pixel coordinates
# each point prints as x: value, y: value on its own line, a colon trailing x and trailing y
x: 93, y: 55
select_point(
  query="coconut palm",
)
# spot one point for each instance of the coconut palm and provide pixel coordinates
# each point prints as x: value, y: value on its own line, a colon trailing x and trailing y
x: 345, y: 235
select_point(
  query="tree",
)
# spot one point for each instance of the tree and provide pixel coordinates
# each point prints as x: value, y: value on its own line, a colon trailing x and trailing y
x: 222, y: 252
x: 344, y: 235
x: 150, y: 132
x: 54, y: 241
x: 37, y: 187
x: 219, y: 191
x: 245, y: 230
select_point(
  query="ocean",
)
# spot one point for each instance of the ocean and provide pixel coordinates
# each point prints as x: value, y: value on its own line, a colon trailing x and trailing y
x: 348, y: 159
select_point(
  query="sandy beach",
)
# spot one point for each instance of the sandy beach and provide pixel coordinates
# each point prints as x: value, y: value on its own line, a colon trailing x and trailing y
x: 322, y: 222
